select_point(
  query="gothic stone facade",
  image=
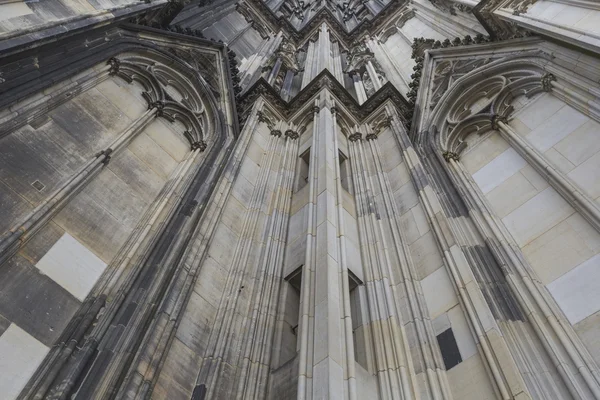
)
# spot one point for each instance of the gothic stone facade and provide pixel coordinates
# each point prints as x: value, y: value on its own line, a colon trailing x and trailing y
x: 317, y: 199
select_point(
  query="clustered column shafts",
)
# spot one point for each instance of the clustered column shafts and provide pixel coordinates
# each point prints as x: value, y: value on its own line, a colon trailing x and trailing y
x: 345, y: 287
x: 392, y: 356
x: 257, y: 349
x: 222, y: 337
x: 430, y: 356
x: 565, y: 350
x: 469, y: 294
x: 307, y: 298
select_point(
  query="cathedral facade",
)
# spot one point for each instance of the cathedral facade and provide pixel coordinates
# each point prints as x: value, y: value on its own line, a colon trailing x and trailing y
x: 300, y: 199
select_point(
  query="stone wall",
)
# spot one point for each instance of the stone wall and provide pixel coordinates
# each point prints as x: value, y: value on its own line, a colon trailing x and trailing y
x: 559, y: 244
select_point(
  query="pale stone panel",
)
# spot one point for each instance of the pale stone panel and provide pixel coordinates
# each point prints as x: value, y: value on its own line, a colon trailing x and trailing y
x: 566, y: 15
x: 400, y: 51
x: 559, y: 161
x: 498, y: 170
x: 576, y: 292
x: 12, y: 10
x: 366, y: 384
x: 21, y: 355
x: 462, y: 333
x: 439, y: 292
x: 479, y: 153
x: 587, y: 176
x: 469, y: 381
x: 581, y: 144
x: 415, y: 28
x: 537, y: 215
x: 72, y: 265
x: 588, y: 330
x: 562, y: 248
x: 539, y: 111
x: 441, y: 324
x: 425, y: 255
x: 558, y: 126
x: 510, y: 194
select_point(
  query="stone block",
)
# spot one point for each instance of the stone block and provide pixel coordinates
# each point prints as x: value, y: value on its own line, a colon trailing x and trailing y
x: 426, y: 256
x: 439, y: 292
x: 21, y: 355
x: 576, y: 292
x: 585, y: 176
x: 560, y: 249
x: 498, y: 170
x: 469, y: 380
x: 581, y: 144
x: 558, y: 126
x: 73, y: 266
x: 476, y: 157
x: 511, y: 194
x: 536, y: 216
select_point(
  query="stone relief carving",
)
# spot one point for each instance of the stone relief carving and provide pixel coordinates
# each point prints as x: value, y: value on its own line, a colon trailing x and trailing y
x: 448, y: 71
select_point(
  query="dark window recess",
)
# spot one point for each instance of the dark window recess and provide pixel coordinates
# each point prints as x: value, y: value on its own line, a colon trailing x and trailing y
x: 449, y: 349
x: 199, y: 392
x: 39, y: 186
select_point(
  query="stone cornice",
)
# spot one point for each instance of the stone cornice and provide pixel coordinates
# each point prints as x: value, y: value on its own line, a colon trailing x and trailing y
x: 324, y: 80
x: 365, y: 27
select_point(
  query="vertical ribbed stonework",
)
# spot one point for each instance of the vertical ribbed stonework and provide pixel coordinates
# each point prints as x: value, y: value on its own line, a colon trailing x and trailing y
x: 258, y: 337
x: 323, y: 357
x: 390, y: 346
x: 221, y: 357
x: 426, y: 357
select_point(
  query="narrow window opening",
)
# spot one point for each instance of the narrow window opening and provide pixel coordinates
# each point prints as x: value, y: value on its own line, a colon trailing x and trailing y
x: 358, y: 324
x: 303, y: 169
x: 289, y: 335
x: 345, y: 178
x: 449, y: 348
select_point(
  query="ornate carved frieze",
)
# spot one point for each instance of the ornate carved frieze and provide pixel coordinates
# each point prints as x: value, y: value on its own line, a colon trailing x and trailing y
x: 324, y: 14
x: 324, y: 80
x: 446, y: 72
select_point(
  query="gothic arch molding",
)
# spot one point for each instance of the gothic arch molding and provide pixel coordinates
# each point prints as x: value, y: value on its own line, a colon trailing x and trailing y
x: 475, y: 103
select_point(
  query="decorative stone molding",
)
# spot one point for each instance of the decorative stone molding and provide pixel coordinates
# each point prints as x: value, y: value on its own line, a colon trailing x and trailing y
x: 292, y: 134
x: 115, y: 64
x: 355, y: 137
x: 450, y: 155
x: 547, y: 80
x: 371, y: 136
x: 276, y: 133
x: 324, y: 80
x: 199, y: 145
x: 495, y: 119
x: 480, y: 102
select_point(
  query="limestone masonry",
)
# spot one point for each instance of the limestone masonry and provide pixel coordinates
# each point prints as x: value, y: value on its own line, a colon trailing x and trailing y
x: 300, y: 199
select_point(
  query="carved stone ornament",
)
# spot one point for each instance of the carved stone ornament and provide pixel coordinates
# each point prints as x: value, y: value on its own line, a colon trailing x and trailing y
x: 496, y: 119
x: 546, y: 80
x: 115, y: 64
x: 355, y: 137
x: 371, y: 136
x: 200, y: 144
x: 450, y: 155
x: 292, y: 134
x: 358, y: 56
x: 276, y: 132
